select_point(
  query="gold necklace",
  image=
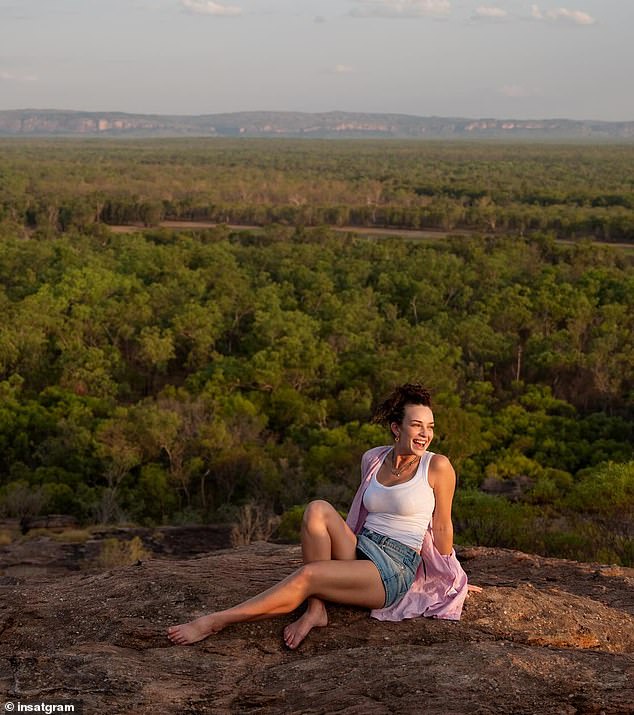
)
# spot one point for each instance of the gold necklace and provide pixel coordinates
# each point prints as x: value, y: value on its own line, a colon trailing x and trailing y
x: 397, y: 472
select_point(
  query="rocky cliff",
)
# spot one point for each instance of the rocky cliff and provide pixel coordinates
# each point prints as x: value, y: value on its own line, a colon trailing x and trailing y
x: 545, y: 636
x: 39, y: 122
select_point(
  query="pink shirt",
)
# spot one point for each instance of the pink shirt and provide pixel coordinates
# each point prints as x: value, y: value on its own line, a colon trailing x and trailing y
x: 440, y: 586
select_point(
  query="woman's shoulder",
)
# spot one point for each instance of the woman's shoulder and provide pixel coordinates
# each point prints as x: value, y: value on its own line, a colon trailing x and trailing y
x: 376, y: 451
x: 440, y: 468
x: 372, y: 454
x: 439, y: 461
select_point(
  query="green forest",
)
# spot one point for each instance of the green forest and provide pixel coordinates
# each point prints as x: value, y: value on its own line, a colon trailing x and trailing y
x: 574, y: 190
x: 165, y: 376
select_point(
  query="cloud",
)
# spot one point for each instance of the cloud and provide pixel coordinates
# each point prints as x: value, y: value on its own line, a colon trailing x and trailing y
x: 343, y: 69
x: 562, y: 14
x: 489, y: 13
x: 536, y: 13
x: 8, y: 76
x: 207, y: 7
x: 401, y: 8
x: 575, y: 16
x: 517, y: 90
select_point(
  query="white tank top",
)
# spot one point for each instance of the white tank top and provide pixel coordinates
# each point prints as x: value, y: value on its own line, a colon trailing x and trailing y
x: 402, y: 511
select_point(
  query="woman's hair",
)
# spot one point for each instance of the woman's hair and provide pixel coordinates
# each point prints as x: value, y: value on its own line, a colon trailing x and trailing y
x: 393, y: 408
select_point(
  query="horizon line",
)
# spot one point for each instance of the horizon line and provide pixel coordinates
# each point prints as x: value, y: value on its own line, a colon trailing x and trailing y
x: 330, y: 111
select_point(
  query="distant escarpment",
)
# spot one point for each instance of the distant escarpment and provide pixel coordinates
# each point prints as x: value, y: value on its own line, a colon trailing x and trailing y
x: 40, y: 122
x: 544, y: 636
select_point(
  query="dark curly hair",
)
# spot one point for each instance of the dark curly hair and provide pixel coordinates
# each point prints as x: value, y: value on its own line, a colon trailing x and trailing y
x: 393, y: 408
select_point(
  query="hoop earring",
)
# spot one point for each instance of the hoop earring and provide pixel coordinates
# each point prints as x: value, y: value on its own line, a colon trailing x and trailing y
x: 397, y: 437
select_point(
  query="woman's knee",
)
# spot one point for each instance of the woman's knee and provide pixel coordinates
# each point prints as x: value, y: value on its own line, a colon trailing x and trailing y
x: 308, y: 577
x: 317, y: 512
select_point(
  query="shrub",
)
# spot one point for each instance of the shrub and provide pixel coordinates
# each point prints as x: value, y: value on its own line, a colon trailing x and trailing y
x: 61, y: 499
x: 254, y: 523
x: 23, y: 501
x: 153, y: 499
x: 289, y: 528
x: 493, y: 521
x: 606, y: 490
x: 568, y: 545
x: 115, y: 552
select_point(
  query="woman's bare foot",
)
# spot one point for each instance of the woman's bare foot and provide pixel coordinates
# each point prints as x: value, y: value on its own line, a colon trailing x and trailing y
x: 314, y: 617
x: 194, y: 631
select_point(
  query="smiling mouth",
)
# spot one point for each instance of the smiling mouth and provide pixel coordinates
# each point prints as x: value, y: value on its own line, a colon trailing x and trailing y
x: 419, y: 443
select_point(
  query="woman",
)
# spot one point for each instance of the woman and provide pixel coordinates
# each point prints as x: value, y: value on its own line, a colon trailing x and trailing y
x: 386, y: 556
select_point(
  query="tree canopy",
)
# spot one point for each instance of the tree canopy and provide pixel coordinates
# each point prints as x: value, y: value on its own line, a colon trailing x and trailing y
x: 169, y: 376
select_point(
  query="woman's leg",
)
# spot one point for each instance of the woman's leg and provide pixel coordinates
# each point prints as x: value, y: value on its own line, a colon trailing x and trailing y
x: 325, y: 536
x: 353, y: 582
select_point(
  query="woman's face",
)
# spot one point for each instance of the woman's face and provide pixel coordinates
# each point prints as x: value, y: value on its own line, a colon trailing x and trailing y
x: 416, y: 431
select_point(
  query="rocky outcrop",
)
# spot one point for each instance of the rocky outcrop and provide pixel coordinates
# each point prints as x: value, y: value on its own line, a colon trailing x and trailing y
x: 41, y: 122
x: 48, y: 554
x: 545, y: 636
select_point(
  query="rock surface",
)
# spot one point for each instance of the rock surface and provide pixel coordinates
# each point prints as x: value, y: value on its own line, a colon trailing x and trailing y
x: 44, y: 556
x: 545, y: 636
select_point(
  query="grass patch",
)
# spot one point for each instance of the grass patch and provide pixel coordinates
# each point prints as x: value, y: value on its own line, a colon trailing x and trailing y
x: 72, y: 536
x: 35, y: 533
x: 6, y: 537
x: 121, y: 553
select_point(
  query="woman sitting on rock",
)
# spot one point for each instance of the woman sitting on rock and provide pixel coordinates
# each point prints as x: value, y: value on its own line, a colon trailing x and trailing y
x: 394, y: 554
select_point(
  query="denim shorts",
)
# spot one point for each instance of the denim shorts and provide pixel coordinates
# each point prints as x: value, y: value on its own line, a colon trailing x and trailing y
x: 396, y: 562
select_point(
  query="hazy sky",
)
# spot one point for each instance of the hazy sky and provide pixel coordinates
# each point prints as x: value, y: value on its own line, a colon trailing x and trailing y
x: 508, y: 58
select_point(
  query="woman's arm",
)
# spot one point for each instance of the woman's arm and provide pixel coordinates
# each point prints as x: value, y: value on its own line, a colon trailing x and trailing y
x: 442, y: 480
